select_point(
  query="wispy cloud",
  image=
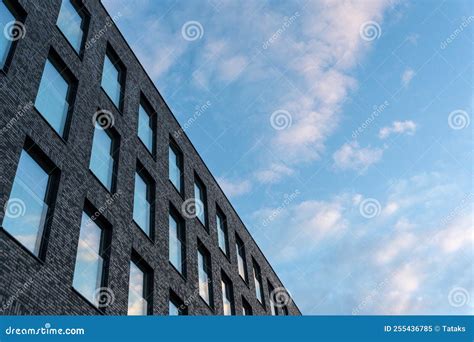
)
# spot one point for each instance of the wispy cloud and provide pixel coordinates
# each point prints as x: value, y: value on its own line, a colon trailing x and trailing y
x: 234, y: 188
x: 407, y: 76
x: 274, y: 173
x: 400, y: 127
x: 353, y: 157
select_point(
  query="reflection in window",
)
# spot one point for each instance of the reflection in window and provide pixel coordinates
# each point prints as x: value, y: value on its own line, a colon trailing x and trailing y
x: 102, y: 160
x: 201, y: 203
x: 227, y: 296
x: 89, y: 268
x: 273, y: 308
x: 176, y: 243
x: 52, y: 98
x: 204, y: 271
x: 111, y: 80
x: 70, y: 24
x: 222, y: 231
x: 176, y: 306
x: 241, y: 263
x: 246, y: 308
x: 175, y: 164
x: 145, y: 128
x: 257, y: 277
x: 137, y: 303
x: 6, y: 17
x: 26, y: 209
x: 141, y: 204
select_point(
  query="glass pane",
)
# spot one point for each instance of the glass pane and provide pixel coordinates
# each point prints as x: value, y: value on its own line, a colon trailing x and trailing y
x: 25, y: 213
x: 141, y: 206
x: 5, y: 43
x: 110, y: 81
x: 200, y: 207
x: 240, y: 260
x: 137, y: 305
x: 175, y: 253
x: 102, y: 163
x: 174, y: 170
x: 51, y: 100
x: 258, y: 290
x: 203, y: 278
x: 173, y: 309
x: 69, y: 22
x: 89, y: 263
x: 226, y: 300
x: 221, y: 234
x: 145, y: 132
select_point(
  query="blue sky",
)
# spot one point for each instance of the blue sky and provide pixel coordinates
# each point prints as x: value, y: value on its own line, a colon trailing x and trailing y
x: 341, y: 132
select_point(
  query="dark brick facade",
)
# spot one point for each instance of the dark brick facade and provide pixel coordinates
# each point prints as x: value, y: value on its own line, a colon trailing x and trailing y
x: 30, y: 285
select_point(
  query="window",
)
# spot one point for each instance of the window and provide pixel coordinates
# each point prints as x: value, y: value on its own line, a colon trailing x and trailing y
x: 176, y: 241
x: 176, y: 306
x: 257, y: 277
x: 146, y: 124
x: 90, y: 260
x: 6, y: 41
x: 273, y: 307
x: 205, y: 275
x: 27, y: 207
x: 175, y: 164
x: 139, y: 290
x: 227, y: 296
x: 285, y: 310
x: 241, y: 260
x: 201, y: 203
x: 71, y: 24
x: 54, y: 97
x: 112, y: 78
x: 142, y: 201
x: 246, y: 308
x: 102, y: 162
x: 222, y: 231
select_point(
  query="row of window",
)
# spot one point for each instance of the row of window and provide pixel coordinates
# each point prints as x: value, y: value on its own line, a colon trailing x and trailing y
x: 34, y: 178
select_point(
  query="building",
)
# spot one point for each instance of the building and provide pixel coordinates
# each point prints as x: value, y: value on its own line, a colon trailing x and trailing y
x: 107, y: 206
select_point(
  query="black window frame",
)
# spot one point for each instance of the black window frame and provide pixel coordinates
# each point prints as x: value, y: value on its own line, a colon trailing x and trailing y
x: 19, y: 13
x: 153, y: 121
x: 180, y: 157
x: 148, y: 276
x: 181, y: 225
x: 240, y: 246
x: 203, y: 190
x: 246, y: 307
x: 258, y: 275
x: 208, y: 266
x: 230, y: 287
x: 117, y: 62
x: 178, y: 303
x: 271, y: 297
x: 150, y: 195
x: 223, y: 218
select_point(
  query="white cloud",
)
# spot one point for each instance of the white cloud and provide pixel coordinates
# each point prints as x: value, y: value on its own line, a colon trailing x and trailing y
x: 400, y: 127
x: 407, y: 76
x: 230, y: 68
x: 274, y: 173
x: 353, y: 157
x: 234, y: 188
